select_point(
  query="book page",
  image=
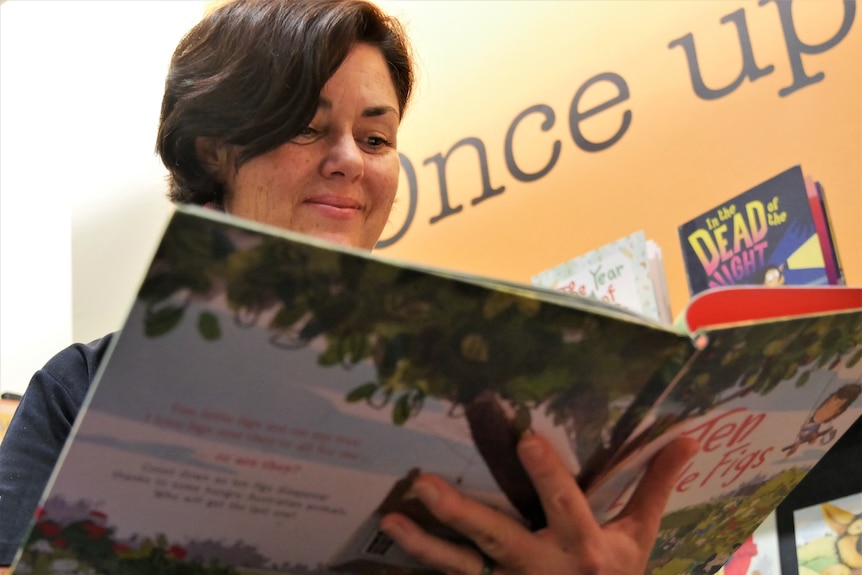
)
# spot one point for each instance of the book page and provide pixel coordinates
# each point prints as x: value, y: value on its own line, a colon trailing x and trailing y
x: 268, y: 400
x: 765, y: 401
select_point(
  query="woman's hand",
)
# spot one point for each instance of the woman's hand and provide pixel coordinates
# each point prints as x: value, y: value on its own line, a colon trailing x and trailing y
x: 573, y: 543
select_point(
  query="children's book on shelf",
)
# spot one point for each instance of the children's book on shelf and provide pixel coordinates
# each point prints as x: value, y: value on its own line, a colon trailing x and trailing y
x: 628, y: 272
x: 776, y: 233
x: 270, y: 396
x: 828, y: 536
x: 758, y: 555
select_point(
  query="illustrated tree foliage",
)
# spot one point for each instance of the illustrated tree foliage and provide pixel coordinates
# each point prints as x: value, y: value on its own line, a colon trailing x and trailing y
x: 87, y: 546
x: 491, y: 355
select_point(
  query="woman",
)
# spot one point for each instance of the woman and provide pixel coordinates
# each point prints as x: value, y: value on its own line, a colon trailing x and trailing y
x: 287, y: 112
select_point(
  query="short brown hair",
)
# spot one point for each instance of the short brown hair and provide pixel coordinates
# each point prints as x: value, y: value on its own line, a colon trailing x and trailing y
x: 250, y: 75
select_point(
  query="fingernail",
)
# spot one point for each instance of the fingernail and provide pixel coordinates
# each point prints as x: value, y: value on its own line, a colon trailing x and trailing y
x: 392, y: 526
x: 426, y: 492
x: 693, y: 448
x: 530, y: 449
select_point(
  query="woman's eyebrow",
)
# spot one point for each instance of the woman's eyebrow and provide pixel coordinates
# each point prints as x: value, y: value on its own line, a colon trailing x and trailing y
x: 369, y: 112
x: 378, y: 111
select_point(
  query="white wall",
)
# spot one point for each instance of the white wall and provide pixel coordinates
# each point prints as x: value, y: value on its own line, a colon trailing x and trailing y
x: 81, y: 192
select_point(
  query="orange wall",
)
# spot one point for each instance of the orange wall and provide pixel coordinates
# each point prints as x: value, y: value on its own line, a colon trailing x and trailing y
x: 482, y: 63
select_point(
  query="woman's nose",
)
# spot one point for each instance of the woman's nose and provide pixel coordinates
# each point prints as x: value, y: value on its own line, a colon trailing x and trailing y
x: 344, y: 158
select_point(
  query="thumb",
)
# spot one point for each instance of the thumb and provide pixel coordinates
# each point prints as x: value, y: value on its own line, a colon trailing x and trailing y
x: 646, y: 506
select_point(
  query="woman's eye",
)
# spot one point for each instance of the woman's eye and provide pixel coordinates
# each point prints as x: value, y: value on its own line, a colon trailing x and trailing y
x: 306, y: 134
x: 377, y: 141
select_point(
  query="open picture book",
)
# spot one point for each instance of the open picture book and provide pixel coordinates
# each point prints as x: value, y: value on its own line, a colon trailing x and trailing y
x: 270, y: 396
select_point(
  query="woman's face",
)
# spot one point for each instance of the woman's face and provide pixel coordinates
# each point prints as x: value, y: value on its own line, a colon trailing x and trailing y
x: 337, y: 180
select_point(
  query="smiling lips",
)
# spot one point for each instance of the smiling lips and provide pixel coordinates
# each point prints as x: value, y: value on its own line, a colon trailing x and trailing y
x: 335, y: 205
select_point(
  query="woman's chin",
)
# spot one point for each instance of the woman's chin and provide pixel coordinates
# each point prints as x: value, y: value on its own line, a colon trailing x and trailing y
x: 341, y: 239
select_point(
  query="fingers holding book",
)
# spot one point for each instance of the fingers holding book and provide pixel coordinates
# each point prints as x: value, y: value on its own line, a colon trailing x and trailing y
x: 573, y: 541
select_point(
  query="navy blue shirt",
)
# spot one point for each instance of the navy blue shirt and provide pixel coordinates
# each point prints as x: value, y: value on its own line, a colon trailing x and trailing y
x: 36, y: 435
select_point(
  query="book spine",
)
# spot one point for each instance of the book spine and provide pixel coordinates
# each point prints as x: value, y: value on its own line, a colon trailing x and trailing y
x: 819, y: 213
